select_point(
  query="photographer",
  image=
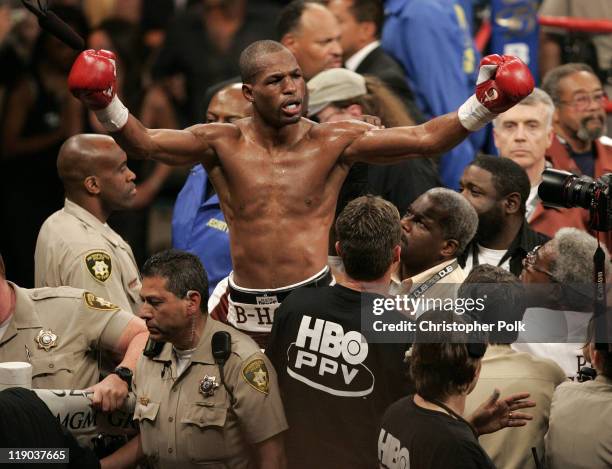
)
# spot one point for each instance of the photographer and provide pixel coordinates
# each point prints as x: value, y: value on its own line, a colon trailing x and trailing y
x: 562, y: 270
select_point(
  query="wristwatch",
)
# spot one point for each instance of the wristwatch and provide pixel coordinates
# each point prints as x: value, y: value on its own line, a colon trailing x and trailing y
x: 125, y: 374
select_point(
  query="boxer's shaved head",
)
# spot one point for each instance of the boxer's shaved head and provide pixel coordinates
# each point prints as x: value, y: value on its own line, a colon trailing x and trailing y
x: 273, y: 83
x: 251, y: 58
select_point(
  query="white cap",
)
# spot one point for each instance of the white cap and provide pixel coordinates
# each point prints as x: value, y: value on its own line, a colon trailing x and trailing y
x: 335, y: 84
x: 15, y: 374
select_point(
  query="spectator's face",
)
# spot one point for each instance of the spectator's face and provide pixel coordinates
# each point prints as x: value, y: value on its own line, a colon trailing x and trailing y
x: 477, y: 187
x: 316, y: 43
x: 167, y: 316
x: 581, y: 111
x: 277, y: 93
x: 228, y: 105
x: 115, y: 179
x: 523, y: 135
x: 537, y: 264
x: 422, y: 240
x: 352, y: 32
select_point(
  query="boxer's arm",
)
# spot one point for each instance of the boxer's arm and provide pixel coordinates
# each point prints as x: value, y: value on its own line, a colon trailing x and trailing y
x: 389, y: 146
x: 172, y: 147
x: 503, y: 81
x: 93, y: 80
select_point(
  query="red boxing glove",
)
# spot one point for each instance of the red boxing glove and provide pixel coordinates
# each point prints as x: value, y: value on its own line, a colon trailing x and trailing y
x: 93, y: 78
x: 502, y: 82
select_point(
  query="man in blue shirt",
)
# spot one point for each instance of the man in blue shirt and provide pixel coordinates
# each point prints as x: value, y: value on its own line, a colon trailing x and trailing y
x: 432, y: 39
x: 198, y: 224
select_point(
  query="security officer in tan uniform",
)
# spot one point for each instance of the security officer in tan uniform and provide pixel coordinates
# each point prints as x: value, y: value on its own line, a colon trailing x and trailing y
x: 75, y: 246
x: 209, y: 396
x: 58, y: 331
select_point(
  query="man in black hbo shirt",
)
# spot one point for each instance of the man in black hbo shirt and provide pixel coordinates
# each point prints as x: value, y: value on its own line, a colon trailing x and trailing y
x: 335, y: 385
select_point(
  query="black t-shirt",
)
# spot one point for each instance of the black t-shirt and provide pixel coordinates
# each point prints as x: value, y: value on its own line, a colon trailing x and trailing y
x: 412, y: 436
x: 335, y: 386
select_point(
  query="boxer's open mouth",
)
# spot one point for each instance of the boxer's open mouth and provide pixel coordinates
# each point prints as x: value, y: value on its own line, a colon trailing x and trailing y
x: 292, y: 107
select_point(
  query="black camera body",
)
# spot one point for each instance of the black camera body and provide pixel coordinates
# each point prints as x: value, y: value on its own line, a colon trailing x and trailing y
x: 564, y: 189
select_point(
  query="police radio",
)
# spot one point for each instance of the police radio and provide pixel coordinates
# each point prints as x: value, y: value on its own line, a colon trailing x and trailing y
x: 153, y: 348
x: 221, y: 344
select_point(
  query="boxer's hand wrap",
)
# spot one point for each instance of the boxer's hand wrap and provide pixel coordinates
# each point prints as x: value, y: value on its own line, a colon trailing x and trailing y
x: 114, y: 116
x: 93, y: 80
x: 503, y: 81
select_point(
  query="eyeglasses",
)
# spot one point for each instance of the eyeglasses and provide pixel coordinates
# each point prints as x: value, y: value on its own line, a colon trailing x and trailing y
x: 581, y: 101
x: 529, y: 262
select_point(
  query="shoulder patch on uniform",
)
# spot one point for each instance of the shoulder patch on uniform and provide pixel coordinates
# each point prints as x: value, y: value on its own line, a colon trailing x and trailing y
x: 256, y: 374
x: 95, y: 302
x: 99, y: 265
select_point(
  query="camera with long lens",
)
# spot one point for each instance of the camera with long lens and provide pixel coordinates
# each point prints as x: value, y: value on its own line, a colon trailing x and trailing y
x: 564, y: 189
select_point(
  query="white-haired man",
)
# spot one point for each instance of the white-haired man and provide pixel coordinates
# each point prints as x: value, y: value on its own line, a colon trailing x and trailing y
x: 523, y: 134
x: 558, y: 277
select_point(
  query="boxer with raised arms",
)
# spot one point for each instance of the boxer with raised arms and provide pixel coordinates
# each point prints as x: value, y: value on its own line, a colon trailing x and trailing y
x: 278, y: 174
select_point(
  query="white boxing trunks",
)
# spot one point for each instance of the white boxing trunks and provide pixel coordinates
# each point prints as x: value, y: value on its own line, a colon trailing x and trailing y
x: 252, y: 310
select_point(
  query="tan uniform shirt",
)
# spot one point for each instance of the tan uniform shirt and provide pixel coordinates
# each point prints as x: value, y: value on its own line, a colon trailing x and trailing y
x: 512, y: 372
x: 580, y: 431
x: 182, y: 427
x: 74, y: 248
x: 58, y: 330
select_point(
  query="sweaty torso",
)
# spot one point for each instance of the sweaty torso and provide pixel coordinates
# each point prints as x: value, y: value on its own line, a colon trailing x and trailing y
x: 279, y: 200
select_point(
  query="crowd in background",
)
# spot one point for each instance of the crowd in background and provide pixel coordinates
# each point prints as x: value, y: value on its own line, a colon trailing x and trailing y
x: 171, y: 52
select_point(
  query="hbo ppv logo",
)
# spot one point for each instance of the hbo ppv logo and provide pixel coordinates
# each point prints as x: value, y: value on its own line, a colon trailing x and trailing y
x: 326, y: 358
x: 328, y: 338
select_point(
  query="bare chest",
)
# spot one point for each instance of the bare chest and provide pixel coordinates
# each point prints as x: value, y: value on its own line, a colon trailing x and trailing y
x: 254, y: 181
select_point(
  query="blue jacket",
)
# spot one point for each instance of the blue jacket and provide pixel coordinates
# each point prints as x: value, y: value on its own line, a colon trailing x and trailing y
x: 432, y: 39
x: 199, y: 227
